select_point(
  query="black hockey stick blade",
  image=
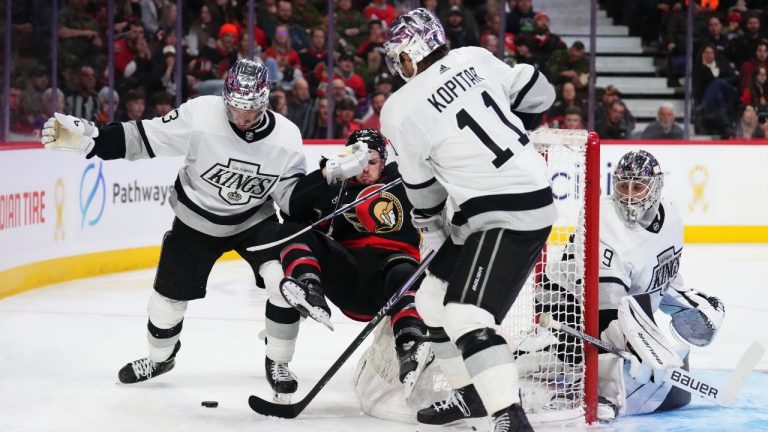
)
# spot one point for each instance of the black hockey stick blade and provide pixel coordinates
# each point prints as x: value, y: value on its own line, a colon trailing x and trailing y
x: 290, y: 411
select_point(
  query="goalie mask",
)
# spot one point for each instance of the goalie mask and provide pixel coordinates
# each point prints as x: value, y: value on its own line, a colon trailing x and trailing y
x: 372, y: 138
x: 416, y: 33
x: 637, y: 183
x: 246, y: 93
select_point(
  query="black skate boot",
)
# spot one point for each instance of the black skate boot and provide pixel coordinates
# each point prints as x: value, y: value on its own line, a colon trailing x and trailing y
x: 511, y: 419
x: 413, y: 357
x: 281, y: 379
x: 144, y: 369
x: 464, y: 406
x: 308, y: 299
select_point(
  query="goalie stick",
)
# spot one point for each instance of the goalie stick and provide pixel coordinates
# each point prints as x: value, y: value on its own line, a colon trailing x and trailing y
x: 679, y: 377
x: 268, y: 408
x: 339, y: 211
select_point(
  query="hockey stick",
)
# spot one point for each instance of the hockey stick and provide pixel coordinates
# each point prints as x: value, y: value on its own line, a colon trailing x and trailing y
x: 267, y: 408
x: 341, y: 210
x: 679, y: 377
x: 336, y: 207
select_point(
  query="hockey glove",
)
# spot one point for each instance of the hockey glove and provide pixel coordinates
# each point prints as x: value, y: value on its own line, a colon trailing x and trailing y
x: 433, y: 230
x: 696, y: 317
x: 346, y: 164
x: 66, y: 132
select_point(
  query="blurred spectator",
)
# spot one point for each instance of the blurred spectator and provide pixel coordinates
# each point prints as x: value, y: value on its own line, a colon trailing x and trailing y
x: 278, y: 102
x: 319, y: 129
x: 351, y: 25
x: 306, y: 14
x: 374, y: 65
x: 747, y: 127
x: 372, y: 120
x: 298, y: 34
x: 79, y: 39
x: 569, y: 65
x: 713, y: 92
x: 521, y: 18
x: 162, y: 104
x: 102, y: 117
x: 315, y: 53
x: 715, y: 37
x: 733, y: 30
x: 150, y: 14
x: 664, y: 128
x: 212, y: 63
x: 167, y: 20
x: 384, y: 83
x: 494, y: 21
x: 430, y: 5
x: 380, y: 10
x: 165, y: 70
x: 301, y: 107
x: 83, y: 102
x: 266, y: 16
x: 491, y: 43
x: 19, y: 121
x: 48, y: 107
x: 574, y: 118
x: 456, y: 32
x: 202, y: 33
x: 566, y: 98
x: 615, y: 125
x: 744, y: 47
x: 135, y: 105
x: 340, y: 91
x: 603, y: 110
x: 756, y: 93
x: 287, y: 58
x: 525, y: 52
x: 375, y: 39
x: 545, y: 42
x: 133, y: 59
x: 760, y: 58
x: 32, y: 95
x: 346, y: 71
x: 345, y: 122
x: 467, y: 18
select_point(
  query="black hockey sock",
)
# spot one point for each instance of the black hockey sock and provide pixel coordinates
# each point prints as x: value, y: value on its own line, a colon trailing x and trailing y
x: 299, y: 263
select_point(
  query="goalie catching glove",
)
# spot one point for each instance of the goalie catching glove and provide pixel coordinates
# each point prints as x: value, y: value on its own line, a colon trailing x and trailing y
x: 66, y: 132
x: 696, y: 317
x: 348, y: 163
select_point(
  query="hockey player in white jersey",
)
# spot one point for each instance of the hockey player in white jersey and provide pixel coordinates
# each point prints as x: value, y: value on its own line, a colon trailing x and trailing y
x: 240, y: 159
x: 641, y: 243
x: 458, y: 129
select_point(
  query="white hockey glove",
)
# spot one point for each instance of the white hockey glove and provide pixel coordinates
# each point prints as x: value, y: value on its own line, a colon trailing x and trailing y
x: 696, y: 317
x: 651, y: 353
x: 433, y: 230
x: 349, y: 163
x: 66, y: 132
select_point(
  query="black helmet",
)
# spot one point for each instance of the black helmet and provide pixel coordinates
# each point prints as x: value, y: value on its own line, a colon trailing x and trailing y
x: 372, y: 138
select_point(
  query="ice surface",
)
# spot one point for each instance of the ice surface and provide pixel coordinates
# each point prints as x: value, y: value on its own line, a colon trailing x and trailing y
x: 61, y: 347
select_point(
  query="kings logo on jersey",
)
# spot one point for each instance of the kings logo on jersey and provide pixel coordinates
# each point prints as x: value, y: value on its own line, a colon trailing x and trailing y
x: 239, y: 181
x: 665, y: 270
x: 380, y: 214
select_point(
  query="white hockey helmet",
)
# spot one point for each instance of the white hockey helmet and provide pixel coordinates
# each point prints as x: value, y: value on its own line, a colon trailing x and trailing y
x: 637, y: 183
x: 246, y: 93
x: 416, y: 33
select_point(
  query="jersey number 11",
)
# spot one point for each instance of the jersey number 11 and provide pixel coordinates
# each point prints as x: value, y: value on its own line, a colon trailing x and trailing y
x: 463, y: 119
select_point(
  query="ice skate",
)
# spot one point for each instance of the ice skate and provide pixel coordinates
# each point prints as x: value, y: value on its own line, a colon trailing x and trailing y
x: 308, y: 299
x: 462, y: 411
x: 413, y: 357
x: 281, y: 379
x: 511, y: 419
x: 144, y: 369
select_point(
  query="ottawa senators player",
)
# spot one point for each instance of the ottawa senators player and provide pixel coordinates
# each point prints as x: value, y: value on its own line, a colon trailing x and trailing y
x: 374, y: 250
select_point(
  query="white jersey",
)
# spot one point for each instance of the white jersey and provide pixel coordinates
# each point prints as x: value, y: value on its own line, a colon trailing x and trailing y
x: 638, y: 260
x: 455, y: 137
x: 229, y: 179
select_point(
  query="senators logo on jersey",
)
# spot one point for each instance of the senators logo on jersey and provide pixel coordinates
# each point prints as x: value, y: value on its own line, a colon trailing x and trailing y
x: 239, y: 181
x: 380, y: 214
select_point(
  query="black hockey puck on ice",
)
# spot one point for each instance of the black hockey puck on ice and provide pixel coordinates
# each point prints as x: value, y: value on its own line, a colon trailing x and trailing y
x: 209, y: 404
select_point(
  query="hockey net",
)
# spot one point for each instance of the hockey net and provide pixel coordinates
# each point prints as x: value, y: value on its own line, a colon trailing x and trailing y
x: 557, y: 375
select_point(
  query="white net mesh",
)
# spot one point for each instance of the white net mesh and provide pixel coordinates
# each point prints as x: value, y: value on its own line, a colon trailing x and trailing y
x: 551, y: 368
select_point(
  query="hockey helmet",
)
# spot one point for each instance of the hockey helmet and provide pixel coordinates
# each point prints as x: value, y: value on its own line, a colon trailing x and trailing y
x: 372, y: 138
x: 416, y: 33
x: 246, y: 93
x: 637, y: 183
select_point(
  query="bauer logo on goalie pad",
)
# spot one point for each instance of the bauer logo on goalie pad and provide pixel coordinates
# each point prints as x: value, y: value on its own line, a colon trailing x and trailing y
x: 239, y: 181
x: 665, y: 270
x: 694, y: 385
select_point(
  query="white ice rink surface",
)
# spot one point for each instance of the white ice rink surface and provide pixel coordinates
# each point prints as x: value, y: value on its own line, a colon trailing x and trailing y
x: 61, y: 347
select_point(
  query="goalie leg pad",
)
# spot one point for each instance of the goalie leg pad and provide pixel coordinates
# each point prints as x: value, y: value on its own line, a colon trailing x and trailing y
x: 166, y: 317
x: 654, y: 396
x: 429, y: 300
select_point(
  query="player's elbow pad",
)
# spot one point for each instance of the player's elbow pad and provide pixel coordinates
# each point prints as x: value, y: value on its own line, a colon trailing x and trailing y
x: 110, y: 144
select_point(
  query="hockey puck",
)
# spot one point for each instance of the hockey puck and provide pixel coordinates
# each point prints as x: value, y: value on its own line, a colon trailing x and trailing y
x: 209, y: 404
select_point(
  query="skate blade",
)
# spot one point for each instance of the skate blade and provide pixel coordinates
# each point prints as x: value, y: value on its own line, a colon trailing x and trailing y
x: 424, y: 357
x: 294, y: 295
x: 282, y: 398
x: 466, y: 425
